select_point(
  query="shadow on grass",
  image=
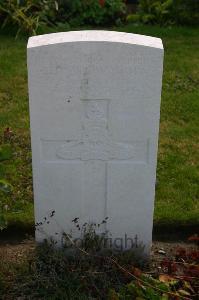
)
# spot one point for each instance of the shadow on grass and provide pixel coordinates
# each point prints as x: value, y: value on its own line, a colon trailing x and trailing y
x: 16, y: 232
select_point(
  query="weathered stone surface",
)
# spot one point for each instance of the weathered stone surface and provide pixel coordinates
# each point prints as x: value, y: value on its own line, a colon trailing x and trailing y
x: 94, y: 110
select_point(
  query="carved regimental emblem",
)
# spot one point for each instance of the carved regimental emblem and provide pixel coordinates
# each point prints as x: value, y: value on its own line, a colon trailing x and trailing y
x: 96, y: 142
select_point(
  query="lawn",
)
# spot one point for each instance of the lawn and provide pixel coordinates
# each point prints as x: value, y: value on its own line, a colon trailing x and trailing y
x: 177, y: 191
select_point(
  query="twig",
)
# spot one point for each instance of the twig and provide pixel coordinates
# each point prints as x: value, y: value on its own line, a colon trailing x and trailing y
x: 126, y: 271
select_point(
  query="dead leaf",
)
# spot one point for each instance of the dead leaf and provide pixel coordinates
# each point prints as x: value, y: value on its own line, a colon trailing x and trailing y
x: 183, y: 292
x: 137, y: 272
x: 188, y: 286
x: 113, y: 295
x: 166, y: 278
x: 194, y: 238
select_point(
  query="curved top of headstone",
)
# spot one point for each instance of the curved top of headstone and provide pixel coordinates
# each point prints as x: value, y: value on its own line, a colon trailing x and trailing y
x: 94, y: 36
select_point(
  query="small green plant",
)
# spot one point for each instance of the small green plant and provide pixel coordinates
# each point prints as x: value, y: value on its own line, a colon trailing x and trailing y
x: 92, y: 240
x: 144, y: 287
x: 5, y: 154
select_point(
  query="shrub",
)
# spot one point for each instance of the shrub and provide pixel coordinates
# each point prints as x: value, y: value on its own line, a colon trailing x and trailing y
x: 167, y: 12
x: 186, y: 12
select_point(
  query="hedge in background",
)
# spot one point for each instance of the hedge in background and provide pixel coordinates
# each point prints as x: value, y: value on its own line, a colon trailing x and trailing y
x: 32, y: 16
x: 92, y: 12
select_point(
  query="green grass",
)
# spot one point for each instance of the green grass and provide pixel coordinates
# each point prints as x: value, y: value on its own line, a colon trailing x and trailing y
x: 177, y: 192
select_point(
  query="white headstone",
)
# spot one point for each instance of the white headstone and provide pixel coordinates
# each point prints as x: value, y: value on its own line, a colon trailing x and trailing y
x: 94, y: 110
